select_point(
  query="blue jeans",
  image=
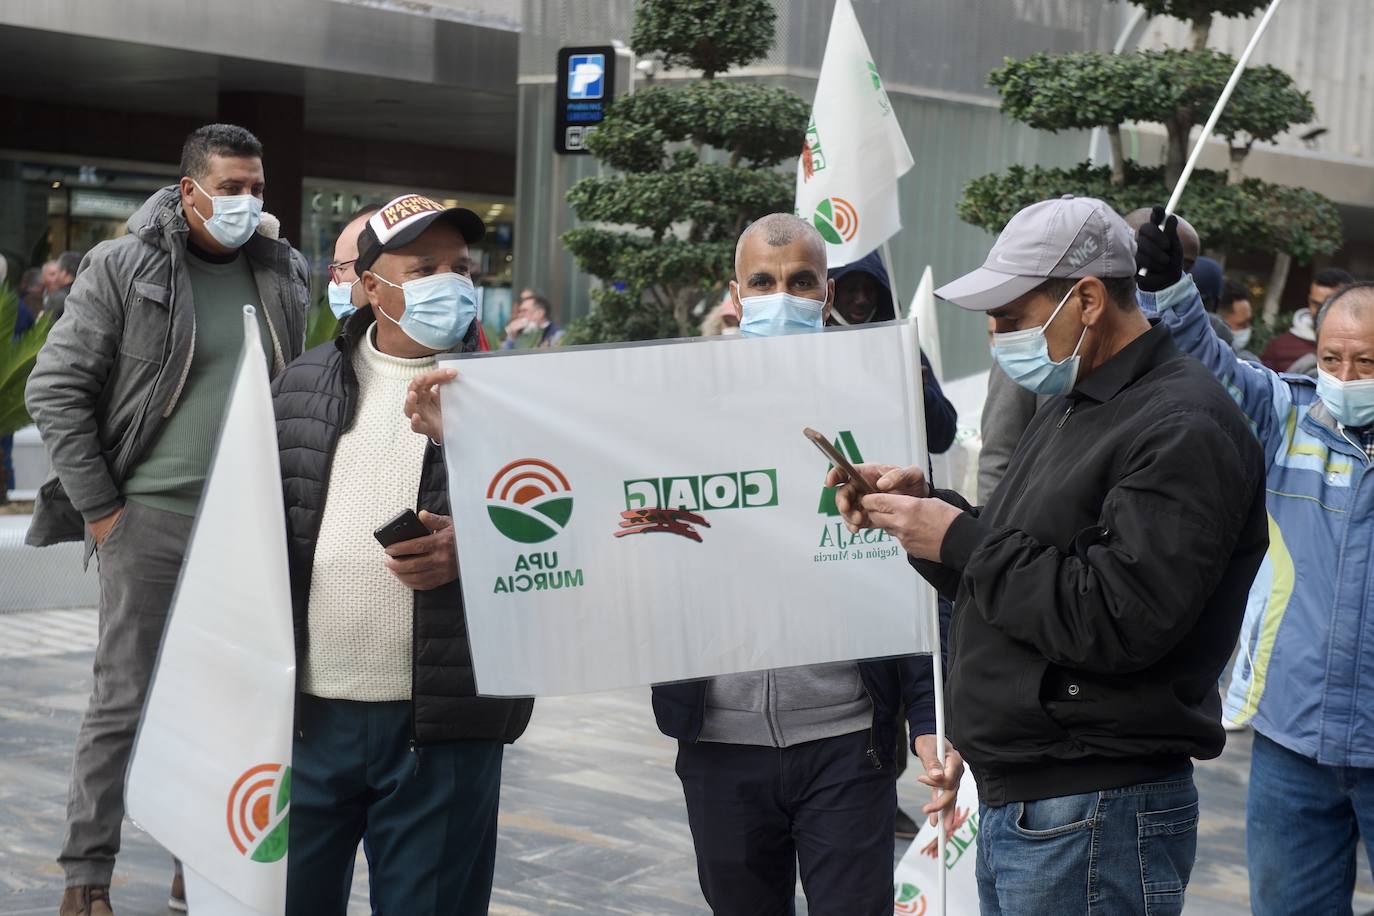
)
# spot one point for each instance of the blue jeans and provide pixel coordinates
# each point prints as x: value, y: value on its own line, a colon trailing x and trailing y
x: 429, y: 815
x: 1302, y: 823
x: 1119, y: 852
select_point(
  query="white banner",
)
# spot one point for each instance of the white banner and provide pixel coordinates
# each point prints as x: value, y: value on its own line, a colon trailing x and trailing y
x: 918, y: 874
x: 854, y: 150
x: 210, y: 777
x: 652, y: 512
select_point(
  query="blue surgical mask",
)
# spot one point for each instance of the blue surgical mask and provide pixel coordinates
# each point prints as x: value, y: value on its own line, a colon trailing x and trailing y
x: 779, y: 313
x: 1025, y: 357
x: 234, y: 217
x: 439, y: 309
x: 1241, y: 339
x: 1351, y: 403
x: 341, y: 299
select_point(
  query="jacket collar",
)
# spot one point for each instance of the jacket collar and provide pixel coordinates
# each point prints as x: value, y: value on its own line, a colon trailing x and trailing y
x: 1153, y: 348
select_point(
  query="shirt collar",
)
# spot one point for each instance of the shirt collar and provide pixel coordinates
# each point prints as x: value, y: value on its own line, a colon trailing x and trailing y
x: 1135, y: 360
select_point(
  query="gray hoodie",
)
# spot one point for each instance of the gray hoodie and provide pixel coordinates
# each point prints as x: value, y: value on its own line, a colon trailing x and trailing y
x: 787, y: 706
x: 113, y: 367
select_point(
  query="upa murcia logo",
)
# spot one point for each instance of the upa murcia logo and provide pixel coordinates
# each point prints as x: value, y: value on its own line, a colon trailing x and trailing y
x: 257, y: 812
x: 529, y: 500
x: 836, y: 542
x: 908, y: 900
x: 836, y: 220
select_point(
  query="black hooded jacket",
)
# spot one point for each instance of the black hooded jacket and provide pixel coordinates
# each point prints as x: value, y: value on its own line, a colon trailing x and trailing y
x: 315, y: 399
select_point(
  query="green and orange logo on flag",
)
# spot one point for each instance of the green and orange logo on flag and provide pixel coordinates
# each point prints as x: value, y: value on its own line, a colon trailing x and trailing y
x: 529, y: 500
x: 908, y: 900
x: 836, y: 220
x: 257, y: 812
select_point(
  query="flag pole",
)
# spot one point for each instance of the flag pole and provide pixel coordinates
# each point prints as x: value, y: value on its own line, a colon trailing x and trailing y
x: 886, y: 255
x: 938, y: 670
x: 1220, y: 107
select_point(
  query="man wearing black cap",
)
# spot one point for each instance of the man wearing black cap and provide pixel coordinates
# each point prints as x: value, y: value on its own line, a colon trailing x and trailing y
x: 391, y: 739
x: 1098, y: 594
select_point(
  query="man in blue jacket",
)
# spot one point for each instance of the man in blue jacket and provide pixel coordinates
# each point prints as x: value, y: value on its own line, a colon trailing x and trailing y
x: 797, y: 766
x: 1304, y: 678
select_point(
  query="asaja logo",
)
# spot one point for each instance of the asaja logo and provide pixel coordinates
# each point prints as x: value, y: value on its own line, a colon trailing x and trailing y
x: 908, y: 900
x: 846, y: 446
x: 812, y: 157
x: 529, y: 501
x: 257, y: 812
x: 836, y: 220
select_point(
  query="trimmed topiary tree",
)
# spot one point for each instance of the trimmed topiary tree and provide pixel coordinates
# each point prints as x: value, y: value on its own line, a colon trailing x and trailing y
x: 694, y: 165
x: 1175, y: 88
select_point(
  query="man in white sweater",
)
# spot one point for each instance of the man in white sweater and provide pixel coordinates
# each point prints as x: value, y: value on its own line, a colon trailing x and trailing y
x: 391, y: 739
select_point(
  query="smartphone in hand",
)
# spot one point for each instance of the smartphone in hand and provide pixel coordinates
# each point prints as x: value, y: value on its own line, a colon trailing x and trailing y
x: 406, y: 526
x: 839, y: 461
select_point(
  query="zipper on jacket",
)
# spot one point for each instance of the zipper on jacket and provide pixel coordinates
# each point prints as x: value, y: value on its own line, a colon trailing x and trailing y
x: 872, y: 752
x: 1364, y: 456
x: 768, y: 717
x: 1068, y: 413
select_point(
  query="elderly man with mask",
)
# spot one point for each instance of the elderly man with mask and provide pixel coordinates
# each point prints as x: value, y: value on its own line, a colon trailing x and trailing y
x: 1305, y: 673
x: 345, y: 292
x: 391, y: 738
x: 1099, y: 592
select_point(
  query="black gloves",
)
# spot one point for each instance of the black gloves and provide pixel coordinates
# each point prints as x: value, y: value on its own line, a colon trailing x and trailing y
x: 1158, y: 253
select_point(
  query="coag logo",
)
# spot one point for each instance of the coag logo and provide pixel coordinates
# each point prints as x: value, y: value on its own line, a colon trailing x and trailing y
x: 257, y: 812
x: 529, y: 501
x: 836, y: 220
x: 908, y: 900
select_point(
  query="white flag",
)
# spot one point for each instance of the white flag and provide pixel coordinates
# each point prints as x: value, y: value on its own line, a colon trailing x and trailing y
x: 652, y: 512
x: 210, y: 777
x: 854, y: 150
x: 917, y: 878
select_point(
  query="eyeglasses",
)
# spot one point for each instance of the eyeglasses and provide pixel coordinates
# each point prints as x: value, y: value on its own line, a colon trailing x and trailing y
x: 336, y: 270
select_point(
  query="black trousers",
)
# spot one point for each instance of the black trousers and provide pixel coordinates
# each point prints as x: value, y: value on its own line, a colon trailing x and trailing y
x: 757, y: 813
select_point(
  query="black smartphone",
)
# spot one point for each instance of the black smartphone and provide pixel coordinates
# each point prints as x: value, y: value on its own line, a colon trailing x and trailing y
x: 406, y: 526
x: 839, y: 461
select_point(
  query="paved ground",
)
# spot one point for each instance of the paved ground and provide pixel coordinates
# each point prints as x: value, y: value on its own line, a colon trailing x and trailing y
x: 592, y: 817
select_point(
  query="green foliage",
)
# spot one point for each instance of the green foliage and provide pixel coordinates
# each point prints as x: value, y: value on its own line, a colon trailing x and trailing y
x: 1253, y: 216
x: 1198, y: 9
x: 707, y: 35
x: 1098, y: 89
x: 16, y: 361
x: 320, y: 325
x: 694, y: 165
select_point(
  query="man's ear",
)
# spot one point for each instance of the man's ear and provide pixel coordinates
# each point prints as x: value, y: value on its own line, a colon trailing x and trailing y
x: 188, y: 192
x: 372, y: 288
x: 829, y: 301
x: 1092, y: 300
x: 736, y: 306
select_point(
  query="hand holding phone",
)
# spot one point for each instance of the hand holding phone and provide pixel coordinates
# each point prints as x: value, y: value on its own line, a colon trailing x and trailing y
x: 406, y: 526
x: 840, y: 461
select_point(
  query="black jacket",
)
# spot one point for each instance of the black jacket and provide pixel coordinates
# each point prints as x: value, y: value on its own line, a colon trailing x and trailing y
x: 1099, y: 593
x: 314, y: 400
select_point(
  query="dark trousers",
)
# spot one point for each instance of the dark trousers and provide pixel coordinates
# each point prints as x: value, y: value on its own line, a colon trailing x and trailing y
x: 757, y: 813
x: 429, y: 814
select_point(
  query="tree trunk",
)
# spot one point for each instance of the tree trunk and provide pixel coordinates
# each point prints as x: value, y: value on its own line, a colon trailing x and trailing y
x: 683, y: 301
x: 1118, y: 155
x: 1235, y: 174
x: 1200, y: 32
x: 1176, y: 156
x: 1278, y: 279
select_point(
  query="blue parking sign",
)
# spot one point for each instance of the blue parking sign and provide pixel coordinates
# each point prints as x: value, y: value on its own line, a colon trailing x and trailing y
x: 586, y: 76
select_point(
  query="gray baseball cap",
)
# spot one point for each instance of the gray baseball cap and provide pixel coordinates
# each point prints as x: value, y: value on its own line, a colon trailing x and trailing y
x: 1066, y: 237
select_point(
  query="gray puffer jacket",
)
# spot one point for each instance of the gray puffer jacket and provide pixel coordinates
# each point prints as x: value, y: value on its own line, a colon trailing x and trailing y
x: 113, y: 367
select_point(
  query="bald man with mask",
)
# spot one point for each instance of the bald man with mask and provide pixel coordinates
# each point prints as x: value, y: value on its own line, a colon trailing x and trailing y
x: 346, y: 294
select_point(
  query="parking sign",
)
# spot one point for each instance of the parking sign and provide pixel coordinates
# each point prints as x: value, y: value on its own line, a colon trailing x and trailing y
x: 587, y: 90
x: 586, y: 76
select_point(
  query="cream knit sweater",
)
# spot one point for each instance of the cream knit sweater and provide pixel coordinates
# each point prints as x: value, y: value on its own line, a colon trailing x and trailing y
x: 360, y: 616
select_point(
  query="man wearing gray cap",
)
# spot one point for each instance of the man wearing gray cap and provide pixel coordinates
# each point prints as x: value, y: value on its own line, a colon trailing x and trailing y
x: 1099, y: 592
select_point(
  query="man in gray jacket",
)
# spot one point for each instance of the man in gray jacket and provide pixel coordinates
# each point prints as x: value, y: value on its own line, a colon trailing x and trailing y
x: 129, y: 393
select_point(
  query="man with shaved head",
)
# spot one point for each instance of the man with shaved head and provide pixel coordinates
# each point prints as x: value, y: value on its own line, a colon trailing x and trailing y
x: 1305, y: 673
x: 797, y: 767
